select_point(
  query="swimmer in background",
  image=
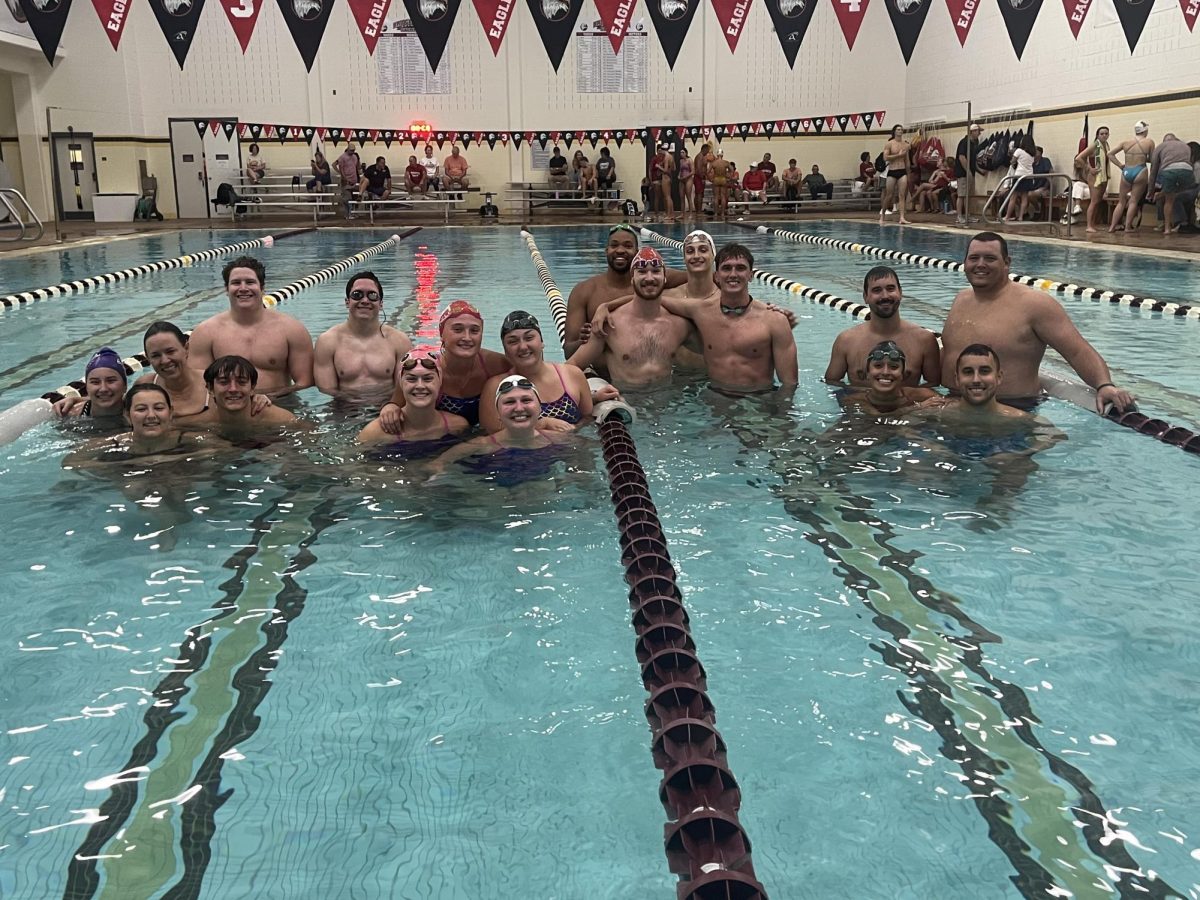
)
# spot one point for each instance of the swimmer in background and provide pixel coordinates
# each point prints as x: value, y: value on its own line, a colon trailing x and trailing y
x: 886, y: 392
x: 231, y: 381
x: 104, y: 390
x: 358, y: 359
x: 425, y: 429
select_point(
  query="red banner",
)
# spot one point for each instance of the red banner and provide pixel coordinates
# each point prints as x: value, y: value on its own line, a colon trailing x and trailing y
x: 1077, y: 11
x: 732, y: 16
x: 1191, y: 8
x: 369, y: 16
x: 112, y: 16
x: 615, y: 15
x: 242, y: 15
x: 495, y: 16
x: 850, y: 14
x: 962, y: 14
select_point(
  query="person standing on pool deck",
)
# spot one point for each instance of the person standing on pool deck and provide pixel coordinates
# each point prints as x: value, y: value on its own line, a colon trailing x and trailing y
x: 587, y: 296
x: 1020, y: 323
x: 895, y: 152
x: 280, y: 348
x: 882, y: 293
x: 358, y: 358
x: 1135, y: 177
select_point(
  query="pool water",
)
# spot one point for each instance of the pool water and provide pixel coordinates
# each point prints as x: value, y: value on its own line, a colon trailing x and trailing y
x: 294, y: 674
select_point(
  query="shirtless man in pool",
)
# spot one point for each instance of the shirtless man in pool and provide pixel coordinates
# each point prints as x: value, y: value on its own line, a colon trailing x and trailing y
x: 358, y: 358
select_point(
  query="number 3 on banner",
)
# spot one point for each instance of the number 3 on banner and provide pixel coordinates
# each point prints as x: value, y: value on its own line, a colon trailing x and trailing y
x: 852, y: 5
x: 245, y: 9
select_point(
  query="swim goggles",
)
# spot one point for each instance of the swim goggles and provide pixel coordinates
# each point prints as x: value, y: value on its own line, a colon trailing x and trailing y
x: 358, y: 294
x: 646, y: 265
x: 892, y: 352
x: 519, y: 319
x: 512, y: 382
x: 427, y: 358
x: 624, y: 226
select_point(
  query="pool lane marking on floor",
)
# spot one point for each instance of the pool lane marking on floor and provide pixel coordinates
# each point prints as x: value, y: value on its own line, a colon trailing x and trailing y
x: 91, y: 282
x: 1168, y: 307
x: 1159, y: 429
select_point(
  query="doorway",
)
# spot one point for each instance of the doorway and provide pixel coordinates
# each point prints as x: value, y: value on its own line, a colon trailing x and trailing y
x: 74, y: 161
x: 201, y: 162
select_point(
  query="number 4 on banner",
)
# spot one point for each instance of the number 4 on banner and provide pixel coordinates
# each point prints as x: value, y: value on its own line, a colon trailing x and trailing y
x: 242, y: 15
x: 850, y: 14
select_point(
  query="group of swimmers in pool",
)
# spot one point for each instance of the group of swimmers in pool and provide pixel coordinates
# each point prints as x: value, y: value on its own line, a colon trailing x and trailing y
x: 636, y: 322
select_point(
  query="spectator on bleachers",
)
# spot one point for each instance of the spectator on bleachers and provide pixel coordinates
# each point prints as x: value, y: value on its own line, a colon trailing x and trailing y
x: 768, y: 169
x: 414, y: 176
x: 1039, y: 193
x: 578, y: 161
x: 792, y: 177
x: 256, y: 166
x: 320, y: 171
x: 454, y: 171
x: 934, y: 193
x: 867, y: 176
x: 433, y: 171
x: 606, y: 170
x: 754, y: 183
x: 377, y: 181
x: 558, y: 170
x: 817, y: 184
x: 735, y: 183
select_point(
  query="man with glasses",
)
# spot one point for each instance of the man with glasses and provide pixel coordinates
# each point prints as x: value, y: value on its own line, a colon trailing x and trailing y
x: 359, y: 358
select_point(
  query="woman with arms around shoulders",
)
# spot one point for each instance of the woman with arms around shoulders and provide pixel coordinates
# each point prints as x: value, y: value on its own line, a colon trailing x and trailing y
x: 426, y: 429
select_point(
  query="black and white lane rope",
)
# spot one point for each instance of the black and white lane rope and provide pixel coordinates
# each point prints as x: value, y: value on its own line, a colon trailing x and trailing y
x: 1167, y: 307
x: 291, y: 290
x: 554, y: 297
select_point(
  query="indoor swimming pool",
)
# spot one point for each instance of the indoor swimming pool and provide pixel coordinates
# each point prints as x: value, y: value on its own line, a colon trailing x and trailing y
x: 294, y: 673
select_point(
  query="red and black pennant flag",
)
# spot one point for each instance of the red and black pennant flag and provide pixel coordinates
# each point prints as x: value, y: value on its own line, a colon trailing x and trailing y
x: 843, y: 120
x: 543, y: 137
x: 242, y: 15
x: 793, y: 126
x: 178, y: 20
x: 201, y: 126
x: 672, y: 19
x: 335, y: 135
x: 370, y: 16
x: 492, y: 137
x: 306, y: 20
x: 230, y: 128
x: 962, y: 14
x: 388, y: 137
x: 731, y: 14
x: 615, y: 16
x: 47, y: 18
x: 1077, y: 11
x: 466, y: 139
x: 744, y: 129
x: 695, y: 133
x: 908, y: 16
x: 850, y: 14
x: 593, y: 138
x: 494, y: 15
x: 567, y: 138
x: 112, y: 15
x: 1019, y: 16
x: 281, y: 132
x: 819, y: 124
x: 361, y: 135
x: 791, y: 19
x: 517, y: 137
x: 555, y: 20
x: 1133, y: 15
x: 619, y: 137
x: 1191, y: 8
x: 432, y: 21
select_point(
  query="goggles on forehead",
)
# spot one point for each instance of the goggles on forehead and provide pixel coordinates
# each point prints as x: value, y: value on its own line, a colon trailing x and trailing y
x: 624, y: 226
x: 513, y: 382
x: 427, y: 359
x: 359, y: 294
x: 894, y: 353
x: 519, y: 321
x: 647, y: 265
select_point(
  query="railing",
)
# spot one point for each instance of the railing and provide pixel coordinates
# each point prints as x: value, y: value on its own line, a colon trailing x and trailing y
x: 1012, y: 194
x: 19, y: 212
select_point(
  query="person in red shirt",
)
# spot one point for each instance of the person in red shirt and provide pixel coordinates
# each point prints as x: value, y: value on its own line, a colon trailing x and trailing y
x: 754, y: 183
x: 414, y: 177
x: 866, y: 172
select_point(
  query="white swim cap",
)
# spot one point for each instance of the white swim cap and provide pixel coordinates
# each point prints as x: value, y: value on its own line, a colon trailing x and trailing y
x: 1140, y: 127
x: 701, y: 235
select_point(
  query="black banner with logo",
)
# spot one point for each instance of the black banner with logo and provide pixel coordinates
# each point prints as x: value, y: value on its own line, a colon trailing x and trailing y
x: 1019, y: 16
x: 791, y: 19
x: 671, y: 19
x: 432, y: 21
x: 555, y: 20
x: 908, y: 16
x: 1133, y: 15
x: 306, y: 20
x: 47, y: 19
x: 178, y: 20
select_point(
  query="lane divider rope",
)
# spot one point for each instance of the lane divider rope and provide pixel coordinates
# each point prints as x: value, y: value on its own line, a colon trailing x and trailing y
x: 67, y: 288
x: 1167, y: 307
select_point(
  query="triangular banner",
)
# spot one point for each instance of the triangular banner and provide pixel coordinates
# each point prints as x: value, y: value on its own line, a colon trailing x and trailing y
x: 308, y: 133
x: 672, y: 19
x: 879, y: 118
x: 466, y: 137
x: 855, y: 118
x: 793, y: 126
x: 178, y: 20
x: 370, y: 16
x: 718, y: 133
x: 830, y: 121
x: 214, y: 126
x: 843, y: 121
x: 47, y: 18
x: 112, y: 15
x: 567, y: 138
x: 769, y: 128
x: 962, y: 14
x: 908, y: 16
x: 868, y: 118
x: 374, y: 135
x: 361, y: 135
x: 491, y: 140
x: 388, y: 137
x: 517, y: 137
x: 494, y: 16
x: 819, y: 124
x: 555, y: 20
x: 593, y: 138
x: 744, y: 130
x: 432, y: 21
x: 731, y: 14
x: 615, y: 16
x: 1191, y: 8
x: 306, y: 20
x: 619, y: 137
x: 230, y: 129
x: 1133, y: 15
x: 694, y: 134
x: 1019, y: 16
x: 850, y: 15
x: 1077, y: 11
x: 543, y: 138
x: 791, y: 19
x: 321, y: 132
x: 335, y: 135
x: 281, y: 132
x: 201, y: 126
x: 243, y: 129
x: 806, y: 124
x: 439, y: 139
x: 256, y: 130
x: 242, y: 15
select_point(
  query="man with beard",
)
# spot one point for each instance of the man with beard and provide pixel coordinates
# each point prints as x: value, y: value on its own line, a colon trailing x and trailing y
x: 1020, y: 323
x: 587, y: 296
x: 881, y: 292
x: 641, y: 342
x: 359, y: 358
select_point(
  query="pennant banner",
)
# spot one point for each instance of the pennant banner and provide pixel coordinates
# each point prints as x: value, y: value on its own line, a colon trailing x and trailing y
x: 47, y: 18
x: 908, y: 16
x: 201, y: 126
x: 555, y: 20
x: 1191, y: 8
x: 1019, y: 16
x: 230, y: 128
x: 672, y: 19
x: 432, y: 21
x: 242, y: 15
x: 731, y: 14
x: 868, y: 118
x: 850, y: 14
x: 1133, y: 15
x: 615, y: 16
x: 495, y: 16
x: 306, y: 20
x: 178, y: 20
x: 112, y: 16
x: 791, y: 19
x: 370, y: 16
x: 1077, y: 11
x: 962, y: 14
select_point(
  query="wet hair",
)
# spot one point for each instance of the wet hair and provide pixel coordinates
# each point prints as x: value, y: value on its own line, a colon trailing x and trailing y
x: 877, y: 273
x: 230, y: 367
x: 245, y: 262
x: 164, y: 328
x: 990, y: 237
x: 733, y: 251
x: 365, y: 273
x: 141, y: 389
x: 976, y: 350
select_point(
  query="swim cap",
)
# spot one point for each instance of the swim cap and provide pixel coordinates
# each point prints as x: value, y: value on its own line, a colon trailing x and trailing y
x: 516, y: 381
x: 106, y: 358
x: 701, y: 235
x: 886, y: 350
x: 458, y: 308
x: 518, y: 318
x: 646, y: 254
x: 1140, y: 127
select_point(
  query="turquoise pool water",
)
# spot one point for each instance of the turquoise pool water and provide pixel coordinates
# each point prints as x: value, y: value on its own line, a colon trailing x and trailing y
x: 296, y: 675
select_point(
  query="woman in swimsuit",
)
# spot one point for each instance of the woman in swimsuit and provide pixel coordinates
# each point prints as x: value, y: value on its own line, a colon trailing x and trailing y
x: 686, y: 186
x: 1093, y: 162
x: 147, y: 409
x: 1133, y: 177
x: 566, y: 396
x: 426, y: 429
x: 104, y: 389
x: 166, y: 348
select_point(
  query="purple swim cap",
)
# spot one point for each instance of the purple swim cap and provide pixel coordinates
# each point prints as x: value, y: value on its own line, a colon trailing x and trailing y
x: 106, y: 358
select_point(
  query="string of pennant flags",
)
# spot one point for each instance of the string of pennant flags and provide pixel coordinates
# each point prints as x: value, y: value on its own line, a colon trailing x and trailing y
x: 647, y: 136
x: 433, y: 20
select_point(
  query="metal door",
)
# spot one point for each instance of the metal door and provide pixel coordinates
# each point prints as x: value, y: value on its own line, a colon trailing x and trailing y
x: 75, y: 163
x: 187, y: 161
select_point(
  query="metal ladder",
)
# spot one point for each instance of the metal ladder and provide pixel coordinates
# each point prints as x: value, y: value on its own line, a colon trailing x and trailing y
x: 22, y: 218
x: 1010, y: 193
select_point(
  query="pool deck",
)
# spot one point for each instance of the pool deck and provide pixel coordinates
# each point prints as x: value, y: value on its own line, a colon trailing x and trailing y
x: 1144, y: 242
